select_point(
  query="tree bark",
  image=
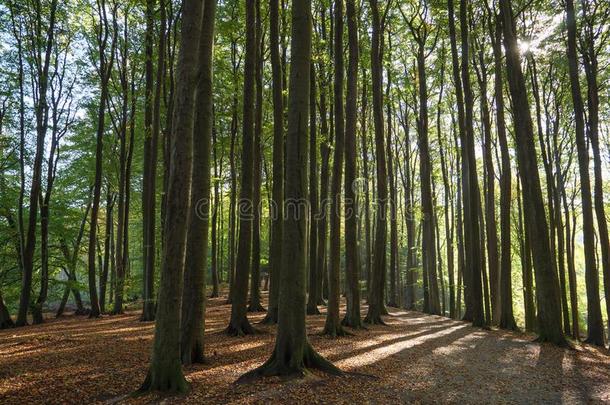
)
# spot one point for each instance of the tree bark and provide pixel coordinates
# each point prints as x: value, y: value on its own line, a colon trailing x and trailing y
x: 293, y: 354
x: 239, y: 324
x: 277, y: 200
x: 352, y: 314
x: 547, y: 286
x: 192, y: 325
x: 165, y: 371
x: 595, y: 327
x: 332, y: 326
x: 255, y: 278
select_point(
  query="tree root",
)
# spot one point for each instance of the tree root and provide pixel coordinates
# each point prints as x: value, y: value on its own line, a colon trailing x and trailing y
x: 164, y: 380
x: 270, y: 318
x: 374, y: 320
x: 353, y: 323
x: 289, y: 367
x: 240, y: 328
x: 561, y: 341
x: 337, y: 331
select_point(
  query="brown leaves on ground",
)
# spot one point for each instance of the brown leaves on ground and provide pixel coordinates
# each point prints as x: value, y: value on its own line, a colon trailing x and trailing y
x: 416, y: 358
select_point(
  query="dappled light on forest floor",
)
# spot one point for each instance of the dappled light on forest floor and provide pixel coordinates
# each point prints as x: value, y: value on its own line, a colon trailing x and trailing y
x: 416, y: 357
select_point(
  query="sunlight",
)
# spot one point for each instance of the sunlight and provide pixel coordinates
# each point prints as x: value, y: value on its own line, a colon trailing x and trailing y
x: 383, y: 352
x: 524, y: 47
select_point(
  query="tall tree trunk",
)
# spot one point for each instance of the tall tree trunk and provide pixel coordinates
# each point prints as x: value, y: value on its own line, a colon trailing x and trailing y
x: 491, y: 229
x: 41, y: 113
x: 507, y: 319
x: 216, y: 262
x: 352, y: 314
x: 293, y: 353
x: 165, y: 371
x: 595, y: 327
x: 325, y: 149
x: 192, y: 325
x: 393, y: 202
x: 472, y: 272
x: 332, y: 326
x: 376, y: 299
x: 314, y: 273
x: 366, y: 174
x: 547, y: 286
x: 255, y: 278
x: 239, y: 324
x: 277, y: 200
x: 105, y: 69
x: 591, y: 63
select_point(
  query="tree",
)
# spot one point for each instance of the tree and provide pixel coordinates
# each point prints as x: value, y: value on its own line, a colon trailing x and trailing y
x: 376, y: 300
x: 106, y: 61
x: 547, y: 287
x: 165, y: 370
x: 42, y: 67
x: 293, y: 354
x: 420, y: 31
x: 332, y: 326
x: 595, y: 17
x: 275, y: 256
x: 255, y: 277
x: 239, y: 324
x: 507, y: 319
x: 352, y: 314
x: 595, y: 327
x: 192, y: 324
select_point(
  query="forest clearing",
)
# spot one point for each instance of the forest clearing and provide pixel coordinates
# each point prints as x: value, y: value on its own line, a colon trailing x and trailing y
x: 417, y: 358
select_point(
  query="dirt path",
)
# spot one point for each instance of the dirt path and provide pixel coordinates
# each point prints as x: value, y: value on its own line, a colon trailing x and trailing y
x: 416, y: 358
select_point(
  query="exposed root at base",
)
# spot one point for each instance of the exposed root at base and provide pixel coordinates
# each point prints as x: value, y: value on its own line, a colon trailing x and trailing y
x: 291, y: 368
x: 240, y: 328
x: 164, y: 381
x: 374, y: 320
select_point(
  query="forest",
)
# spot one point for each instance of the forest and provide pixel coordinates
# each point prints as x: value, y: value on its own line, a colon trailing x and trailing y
x: 333, y: 201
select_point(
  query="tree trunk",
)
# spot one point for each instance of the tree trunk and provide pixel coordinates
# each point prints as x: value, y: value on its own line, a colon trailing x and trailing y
x: 547, y: 286
x: 332, y: 326
x: 595, y: 327
x: 590, y: 58
x: 314, y: 273
x: 165, y: 372
x: 275, y: 254
x: 376, y: 299
x: 110, y: 200
x: 507, y: 319
x: 293, y: 354
x: 352, y: 314
x: 239, y: 324
x: 41, y: 113
x: 255, y: 278
x: 192, y: 325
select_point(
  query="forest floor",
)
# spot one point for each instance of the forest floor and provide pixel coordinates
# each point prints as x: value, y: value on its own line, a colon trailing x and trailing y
x: 415, y: 359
